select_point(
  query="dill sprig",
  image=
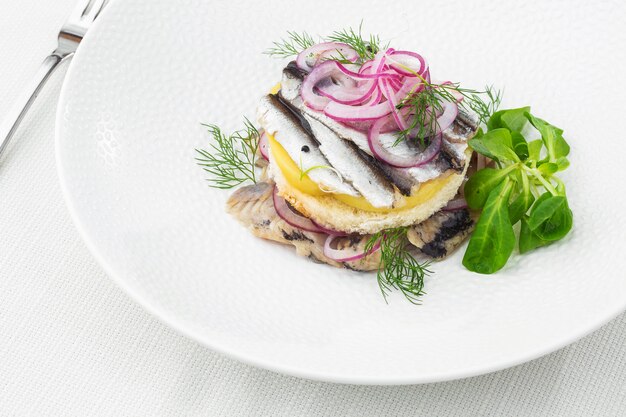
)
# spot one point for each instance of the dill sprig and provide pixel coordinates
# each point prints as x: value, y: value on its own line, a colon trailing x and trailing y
x: 430, y: 101
x: 298, y: 42
x: 398, y: 269
x: 366, y: 49
x: 230, y: 159
x: 293, y: 45
x: 425, y: 103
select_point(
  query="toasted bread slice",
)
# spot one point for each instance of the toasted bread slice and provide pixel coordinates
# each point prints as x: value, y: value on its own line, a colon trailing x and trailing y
x: 333, y: 214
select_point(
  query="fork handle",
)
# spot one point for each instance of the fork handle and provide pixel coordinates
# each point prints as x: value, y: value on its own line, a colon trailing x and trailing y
x: 15, y: 115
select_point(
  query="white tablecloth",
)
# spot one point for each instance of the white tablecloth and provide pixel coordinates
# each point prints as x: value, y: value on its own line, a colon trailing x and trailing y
x: 72, y: 343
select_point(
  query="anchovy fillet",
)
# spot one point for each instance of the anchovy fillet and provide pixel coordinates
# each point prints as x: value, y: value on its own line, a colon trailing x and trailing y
x: 279, y: 122
x: 452, y: 155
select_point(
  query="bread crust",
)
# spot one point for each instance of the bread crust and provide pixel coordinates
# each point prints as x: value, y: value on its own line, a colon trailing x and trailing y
x: 333, y: 214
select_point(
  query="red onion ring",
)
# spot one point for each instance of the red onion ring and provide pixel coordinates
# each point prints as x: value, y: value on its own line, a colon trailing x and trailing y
x: 450, y: 112
x: 396, y: 84
x: 366, y: 67
x: 367, y: 98
x: 310, y: 57
x: 346, y: 113
x: 400, y: 60
x: 420, y: 158
x: 367, y: 75
x: 392, y: 102
x: 456, y: 204
x: 376, y: 97
x: 350, y: 96
x: 323, y: 71
x: 444, y: 120
x: 329, y: 231
x: 264, y: 146
x: 345, y: 255
x: 291, y: 217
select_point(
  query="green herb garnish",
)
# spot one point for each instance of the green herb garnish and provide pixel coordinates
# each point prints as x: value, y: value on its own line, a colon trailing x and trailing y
x: 523, y: 188
x: 425, y: 103
x: 366, y: 48
x: 230, y: 159
x: 293, y: 45
x: 296, y: 42
x: 398, y: 269
x: 430, y: 101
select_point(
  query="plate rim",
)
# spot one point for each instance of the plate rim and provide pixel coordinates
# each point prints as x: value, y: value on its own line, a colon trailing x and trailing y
x: 184, y: 330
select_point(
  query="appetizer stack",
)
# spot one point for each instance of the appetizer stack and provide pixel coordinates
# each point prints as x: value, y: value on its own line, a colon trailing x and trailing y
x: 361, y: 161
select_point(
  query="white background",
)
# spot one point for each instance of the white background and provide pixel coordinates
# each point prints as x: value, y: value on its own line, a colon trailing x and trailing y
x: 71, y: 343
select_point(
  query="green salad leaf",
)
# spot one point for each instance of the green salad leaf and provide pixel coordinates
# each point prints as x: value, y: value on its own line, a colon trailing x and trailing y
x: 522, y: 188
x: 511, y: 119
x: 528, y: 240
x: 496, y: 144
x: 493, y: 240
x: 551, y: 219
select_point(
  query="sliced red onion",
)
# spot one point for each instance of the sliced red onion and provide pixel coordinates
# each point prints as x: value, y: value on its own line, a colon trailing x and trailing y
x: 367, y: 75
x: 444, y: 119
x: 329, y: 231
x: 310, y: 57
x: 395, y: 84
x: 456, y: 204
x: 339, y: 54
x: 345, y: 255
x: 350, y: 96
x: 346, y: 97
x: 347, y: 113
x: 376, y: 96
x: 294, y: 219
x: 367, y: 65
x: 326, y: 71
x: 393, y: 104
x: 264, y: 146
x: 407, y: 63
x: 450, y: 112
x: 360, y: 126
x: 379, y: 151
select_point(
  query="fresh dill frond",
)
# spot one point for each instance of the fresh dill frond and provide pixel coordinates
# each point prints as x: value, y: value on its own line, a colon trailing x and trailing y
x: 230, y: 159
x: 484, y: 108
x: 429, y: 102
x: 296, y: 42
x: 293, y: 45
x: 365, y: 48
x: 426, y: 102
x: 398, y: 269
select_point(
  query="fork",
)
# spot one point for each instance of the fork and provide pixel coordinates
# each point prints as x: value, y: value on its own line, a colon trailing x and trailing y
x: 70, y: 36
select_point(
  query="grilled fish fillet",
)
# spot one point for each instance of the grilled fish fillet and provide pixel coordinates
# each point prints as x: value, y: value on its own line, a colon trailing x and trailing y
x: 442, y: 233
x: 253, y: 207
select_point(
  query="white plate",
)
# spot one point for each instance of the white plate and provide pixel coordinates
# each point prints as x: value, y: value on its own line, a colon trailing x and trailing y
x: 150, y: 71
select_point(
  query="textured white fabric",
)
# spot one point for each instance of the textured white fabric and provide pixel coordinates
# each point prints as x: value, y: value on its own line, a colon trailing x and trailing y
x: 72, y: 344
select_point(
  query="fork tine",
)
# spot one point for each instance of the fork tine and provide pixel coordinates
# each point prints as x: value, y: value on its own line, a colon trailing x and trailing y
x: 82, y: 7
x: 92, y: 10
x: 70, y: 36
